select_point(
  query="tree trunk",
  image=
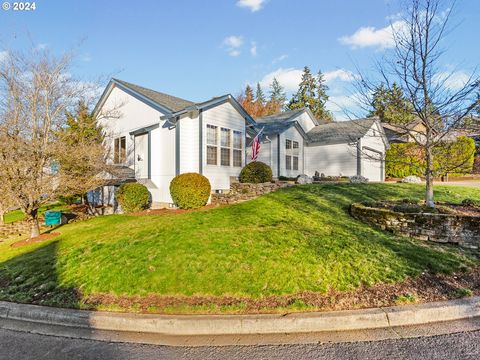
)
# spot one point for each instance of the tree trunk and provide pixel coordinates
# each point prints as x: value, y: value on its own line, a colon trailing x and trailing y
x: 2, y: 218
x: 35, y: 231
x: 429, y: 200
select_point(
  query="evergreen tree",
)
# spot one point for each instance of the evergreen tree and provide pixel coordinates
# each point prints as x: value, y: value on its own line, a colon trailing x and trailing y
x: 248, y: 94
x: 319, y: 107
x: 305, y: 96
x: 277, y: 98
x: 259, y: 96
x: 391, y: 106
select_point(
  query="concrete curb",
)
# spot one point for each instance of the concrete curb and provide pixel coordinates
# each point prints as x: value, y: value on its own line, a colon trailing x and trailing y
x: 217, y: 325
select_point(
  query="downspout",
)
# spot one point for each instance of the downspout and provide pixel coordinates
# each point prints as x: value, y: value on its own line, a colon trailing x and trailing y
x: 177, y: 146
x: 200, y: 141
x: 278, y: 156
x: 359, y: 157
x: 149, y: 154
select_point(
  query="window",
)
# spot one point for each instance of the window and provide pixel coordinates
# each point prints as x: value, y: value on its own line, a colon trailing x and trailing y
x: 295, y: 163
x: 292, y: 150
x: 120, y: 150
x: 288, y: 162
x: 225, y: 143
x: 212, y: 142
x: 237, y: 148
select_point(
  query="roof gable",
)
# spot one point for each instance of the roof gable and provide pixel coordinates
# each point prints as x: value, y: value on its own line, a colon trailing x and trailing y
x: 340, y: 132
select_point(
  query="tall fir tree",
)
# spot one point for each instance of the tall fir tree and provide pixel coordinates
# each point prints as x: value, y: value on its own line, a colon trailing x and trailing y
x: 277, y: 98
x: 259, y: 96
x: 305, y: 96
x: 391, y: 106
x: 319, y: 107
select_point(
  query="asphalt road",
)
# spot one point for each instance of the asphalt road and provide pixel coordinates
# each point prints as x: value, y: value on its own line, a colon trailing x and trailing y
x: 23, y: 346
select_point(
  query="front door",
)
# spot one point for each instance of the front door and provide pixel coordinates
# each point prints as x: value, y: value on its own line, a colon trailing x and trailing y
x: 141, y: 156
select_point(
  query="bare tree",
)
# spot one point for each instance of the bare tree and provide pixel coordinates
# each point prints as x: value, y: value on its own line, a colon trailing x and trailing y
x: 36, y: 91
x: 415, y: 66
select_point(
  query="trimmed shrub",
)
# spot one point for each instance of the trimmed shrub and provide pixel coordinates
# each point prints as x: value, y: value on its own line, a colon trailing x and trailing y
x: 190, y: 190
x: 133, y: 197
x: 256, y: 172
x: 403, y: 160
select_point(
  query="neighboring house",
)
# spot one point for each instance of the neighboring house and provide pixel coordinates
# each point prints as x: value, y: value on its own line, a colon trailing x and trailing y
x: 405, y: 134
x: 160, y: 136
x: 295, y: 143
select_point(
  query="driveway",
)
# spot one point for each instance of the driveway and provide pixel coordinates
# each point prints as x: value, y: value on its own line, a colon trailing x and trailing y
x: 23, y: 346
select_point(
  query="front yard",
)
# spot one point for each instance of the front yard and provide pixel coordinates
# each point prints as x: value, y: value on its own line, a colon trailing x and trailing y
x: 275, y: 252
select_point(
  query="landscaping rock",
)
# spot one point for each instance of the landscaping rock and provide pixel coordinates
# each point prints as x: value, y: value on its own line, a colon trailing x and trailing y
x: 246, y: 191
x: 358, y: 179
x: 304, y: 179
x: 412, y: 179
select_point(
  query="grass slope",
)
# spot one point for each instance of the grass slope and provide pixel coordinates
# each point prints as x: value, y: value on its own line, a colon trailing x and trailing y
x: 296, y: 239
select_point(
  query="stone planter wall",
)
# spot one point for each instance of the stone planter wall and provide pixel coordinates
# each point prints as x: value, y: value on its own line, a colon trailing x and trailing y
x: 17, y: 228
x: 444, y: 228
x: 245, y: 191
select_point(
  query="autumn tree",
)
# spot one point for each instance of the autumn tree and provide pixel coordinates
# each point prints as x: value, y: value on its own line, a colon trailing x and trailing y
x: 36, y: 91
x: 416, y: 66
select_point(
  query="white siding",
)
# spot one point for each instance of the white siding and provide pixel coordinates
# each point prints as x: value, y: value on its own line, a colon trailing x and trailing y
x: 306, y: 122
x: 331, y: 160
x: 291, y: 134
x: 135, y: 114
x: 189, y: 147
x: 224, y: 115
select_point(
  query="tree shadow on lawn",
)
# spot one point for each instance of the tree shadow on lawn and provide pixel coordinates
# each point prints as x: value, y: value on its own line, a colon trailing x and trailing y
x: 32, y: 278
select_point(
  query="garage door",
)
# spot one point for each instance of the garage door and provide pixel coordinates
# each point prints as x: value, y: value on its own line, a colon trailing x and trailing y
x: 372, y: 164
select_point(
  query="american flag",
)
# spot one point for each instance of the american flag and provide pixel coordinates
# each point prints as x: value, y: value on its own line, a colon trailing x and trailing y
x: 256, y: 146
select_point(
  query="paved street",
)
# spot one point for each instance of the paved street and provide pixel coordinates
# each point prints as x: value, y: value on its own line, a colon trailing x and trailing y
x: 23, y: 346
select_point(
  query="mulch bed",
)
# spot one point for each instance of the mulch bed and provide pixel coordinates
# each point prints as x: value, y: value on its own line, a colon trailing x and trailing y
x: 34, y: 240
x: 172, y: 211
x: 425, y: 288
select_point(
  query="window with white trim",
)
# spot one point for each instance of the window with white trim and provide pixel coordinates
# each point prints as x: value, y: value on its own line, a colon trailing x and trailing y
x: 295, y: 153
x: 212, y: 144
x: 226, y: 144
x: 237, y: 148
x: 120, y: 150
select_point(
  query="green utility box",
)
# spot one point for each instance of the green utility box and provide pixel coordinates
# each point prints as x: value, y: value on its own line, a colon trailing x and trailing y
x: 53, y: 218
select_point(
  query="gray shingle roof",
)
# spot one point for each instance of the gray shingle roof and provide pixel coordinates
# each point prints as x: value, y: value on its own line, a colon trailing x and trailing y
x: 278, y: 118
x: 170, y: 102
x: 340, y: 132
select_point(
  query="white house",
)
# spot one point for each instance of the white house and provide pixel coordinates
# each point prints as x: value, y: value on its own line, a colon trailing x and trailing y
x: 158, y: 136
x: 295, y: 143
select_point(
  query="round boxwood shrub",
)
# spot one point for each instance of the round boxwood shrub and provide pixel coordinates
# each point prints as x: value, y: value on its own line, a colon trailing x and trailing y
x: 133, y: 197
x: 190, y: 190
x: 256, y: 172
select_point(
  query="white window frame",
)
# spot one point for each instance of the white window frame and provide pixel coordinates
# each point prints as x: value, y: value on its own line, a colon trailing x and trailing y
x: 117, y: 150
x: 237, y: 148
x: 212, y: 144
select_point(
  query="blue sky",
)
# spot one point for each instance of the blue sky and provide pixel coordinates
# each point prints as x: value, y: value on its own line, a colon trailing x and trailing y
x: 200, y: 49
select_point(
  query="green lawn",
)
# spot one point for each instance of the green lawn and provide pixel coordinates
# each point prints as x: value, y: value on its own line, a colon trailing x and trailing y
x: 296, y: 239
x: 17, y: 215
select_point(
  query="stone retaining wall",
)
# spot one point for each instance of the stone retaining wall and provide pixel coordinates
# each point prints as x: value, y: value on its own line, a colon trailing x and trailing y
x: 245, y: 191
x: 17, y: 228
x: 462, y: 230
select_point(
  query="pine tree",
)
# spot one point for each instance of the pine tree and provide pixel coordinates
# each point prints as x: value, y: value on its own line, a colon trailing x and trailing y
x: 391, y: 106
x: 305, y: 96
x: 259, y: 96
x: 319, y: 107
x: 277, y: 98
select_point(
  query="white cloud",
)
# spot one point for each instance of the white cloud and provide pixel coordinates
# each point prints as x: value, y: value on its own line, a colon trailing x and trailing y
x: 344, y: 107
x: 41, y: 46
x: 3, y: 55
x: 234, y: 53
x: 253, y: 5
x: 289, y: 78
x: 253, y: 49
x: 340, y: 74
x: 369, y: 36
x: 233, y: 43
x: 452, y: 80
x: 280, y: 58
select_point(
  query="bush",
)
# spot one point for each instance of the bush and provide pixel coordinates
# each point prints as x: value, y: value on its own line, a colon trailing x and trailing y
x: 256, y: 172
x: 471, y: 202
x: 358, y: 179
x: 190, y: 190
x: 403, y: 160
x: 133, y: 197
